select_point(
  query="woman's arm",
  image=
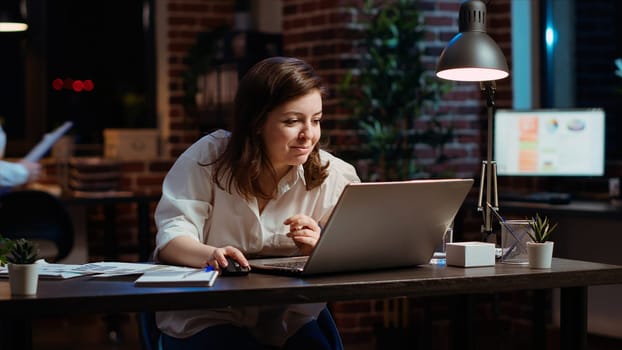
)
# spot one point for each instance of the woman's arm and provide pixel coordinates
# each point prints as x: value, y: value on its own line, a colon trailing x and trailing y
x: 185, y: 250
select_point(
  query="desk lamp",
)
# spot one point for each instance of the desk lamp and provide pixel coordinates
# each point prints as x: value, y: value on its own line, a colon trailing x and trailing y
x: 11, y: 17
x: 472, y: 55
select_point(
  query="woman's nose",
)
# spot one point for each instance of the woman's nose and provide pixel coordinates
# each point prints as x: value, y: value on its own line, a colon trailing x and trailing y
x: 304, y: 131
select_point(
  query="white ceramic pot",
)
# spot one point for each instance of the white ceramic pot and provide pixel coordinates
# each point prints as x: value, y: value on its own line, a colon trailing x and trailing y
x: 540, y: 254
x: 23, y: 278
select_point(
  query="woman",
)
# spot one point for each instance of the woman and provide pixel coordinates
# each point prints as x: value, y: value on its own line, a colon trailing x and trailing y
x: 264, y: 189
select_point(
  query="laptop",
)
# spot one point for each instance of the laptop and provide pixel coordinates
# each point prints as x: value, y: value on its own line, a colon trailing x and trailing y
x: 377, y: 225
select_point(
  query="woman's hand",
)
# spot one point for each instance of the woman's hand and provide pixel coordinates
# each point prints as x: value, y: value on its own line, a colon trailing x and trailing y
x: 305, y: 232
x: 218, y: 259
x: 187, y: 251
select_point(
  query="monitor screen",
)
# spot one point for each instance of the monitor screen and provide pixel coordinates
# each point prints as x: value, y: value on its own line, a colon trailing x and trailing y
x: 550, y: 142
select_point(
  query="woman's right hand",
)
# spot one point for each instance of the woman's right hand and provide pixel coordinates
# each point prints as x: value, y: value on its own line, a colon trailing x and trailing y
x: 187, y: 251
x: 219, y: 256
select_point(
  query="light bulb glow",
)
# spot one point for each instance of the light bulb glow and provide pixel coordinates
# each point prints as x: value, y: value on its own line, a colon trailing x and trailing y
x: 13, y: 27
x: 472, y: 74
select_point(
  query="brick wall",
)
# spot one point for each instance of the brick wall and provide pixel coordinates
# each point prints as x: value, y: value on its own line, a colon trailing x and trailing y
x: 321, y: 32
x: 186, y: 19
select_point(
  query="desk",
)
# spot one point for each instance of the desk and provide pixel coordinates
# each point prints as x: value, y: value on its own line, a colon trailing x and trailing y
x: 87, y: 295
x: 588, y: 230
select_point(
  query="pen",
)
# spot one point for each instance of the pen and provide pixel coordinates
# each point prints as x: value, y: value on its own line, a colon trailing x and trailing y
x: 517, y: 239
x: 206, y: 269
x: 502, y: 220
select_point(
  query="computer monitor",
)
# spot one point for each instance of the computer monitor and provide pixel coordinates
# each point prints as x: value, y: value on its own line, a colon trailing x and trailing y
x: 549, y: 142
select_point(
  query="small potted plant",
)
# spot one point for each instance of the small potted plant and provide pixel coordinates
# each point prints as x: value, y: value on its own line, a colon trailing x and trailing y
x: 540, y: 250
x: 21, y: 256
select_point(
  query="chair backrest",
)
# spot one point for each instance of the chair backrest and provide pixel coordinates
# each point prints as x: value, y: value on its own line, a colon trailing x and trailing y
x: 39, y: 216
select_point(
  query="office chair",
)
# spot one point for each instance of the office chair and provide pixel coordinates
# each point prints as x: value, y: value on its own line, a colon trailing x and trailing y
x: 150, y: 334
x: 38, y: 216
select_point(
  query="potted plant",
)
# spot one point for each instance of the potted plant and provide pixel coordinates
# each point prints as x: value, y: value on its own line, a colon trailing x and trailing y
x: 393, y: 96
x: 21, y: 256
x: 540, y: 250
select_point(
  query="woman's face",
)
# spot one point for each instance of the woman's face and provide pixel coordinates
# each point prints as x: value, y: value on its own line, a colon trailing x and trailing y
x: 292, y: 130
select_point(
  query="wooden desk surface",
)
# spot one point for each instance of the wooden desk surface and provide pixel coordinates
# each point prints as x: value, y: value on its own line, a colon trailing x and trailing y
x: 89, y: 295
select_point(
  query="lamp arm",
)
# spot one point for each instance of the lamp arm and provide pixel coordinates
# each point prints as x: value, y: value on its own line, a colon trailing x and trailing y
x: 489, y: 88
x: 490, y: 176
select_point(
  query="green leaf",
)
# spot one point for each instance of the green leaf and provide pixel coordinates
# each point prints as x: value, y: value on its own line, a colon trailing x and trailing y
x: 23, y: 251
x: 391, y: 86
x: 542, y: 229
x: 6, y: 245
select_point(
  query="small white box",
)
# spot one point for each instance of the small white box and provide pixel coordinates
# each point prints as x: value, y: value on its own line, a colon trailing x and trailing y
x: 131, y: 144
x: 470, y: 254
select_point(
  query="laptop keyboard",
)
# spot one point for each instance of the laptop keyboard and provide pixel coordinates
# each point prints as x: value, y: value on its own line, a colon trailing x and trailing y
x: 289, y: 264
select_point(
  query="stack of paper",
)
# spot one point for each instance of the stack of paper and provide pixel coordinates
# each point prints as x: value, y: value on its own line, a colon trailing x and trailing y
x: 151, y: 274
x: 53, y: 271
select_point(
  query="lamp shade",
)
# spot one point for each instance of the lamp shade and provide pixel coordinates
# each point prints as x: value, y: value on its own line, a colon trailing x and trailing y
x: 472, y: 55
x: 11, y: 18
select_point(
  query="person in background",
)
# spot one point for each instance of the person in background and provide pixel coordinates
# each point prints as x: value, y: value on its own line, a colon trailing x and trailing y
x: 263, y: 189
x: 16, y: 173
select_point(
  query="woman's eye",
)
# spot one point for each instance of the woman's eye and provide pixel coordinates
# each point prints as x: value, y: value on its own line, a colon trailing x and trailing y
x: 291, y: 121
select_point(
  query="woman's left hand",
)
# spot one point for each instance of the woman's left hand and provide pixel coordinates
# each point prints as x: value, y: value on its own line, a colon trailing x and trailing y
x: 305, y: 232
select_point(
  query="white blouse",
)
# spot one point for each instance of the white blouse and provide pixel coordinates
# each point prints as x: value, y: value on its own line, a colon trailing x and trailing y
x: 192, y: 205
x: 12, y: 174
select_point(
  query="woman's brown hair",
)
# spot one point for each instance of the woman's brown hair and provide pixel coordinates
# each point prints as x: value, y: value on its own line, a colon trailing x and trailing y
x: 267, y: 85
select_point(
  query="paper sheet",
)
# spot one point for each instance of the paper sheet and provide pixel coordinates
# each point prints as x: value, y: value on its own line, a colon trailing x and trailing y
x: 47, y: 142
